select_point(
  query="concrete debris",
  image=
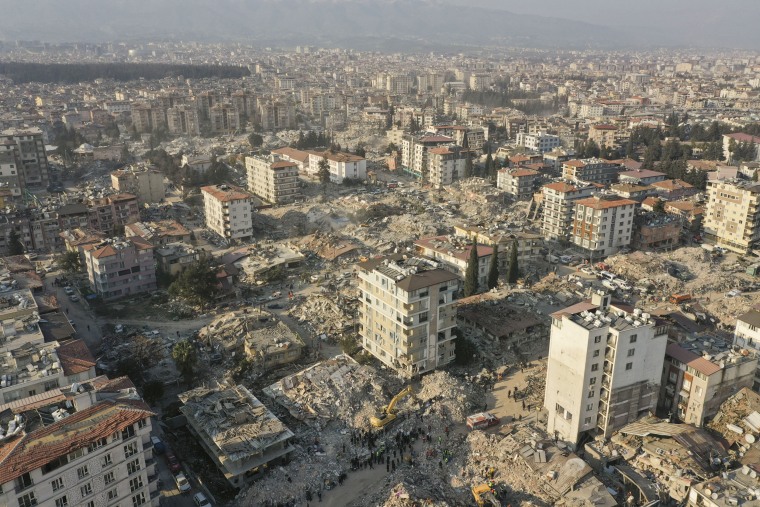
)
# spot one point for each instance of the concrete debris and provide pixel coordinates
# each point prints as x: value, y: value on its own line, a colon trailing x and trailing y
x: 454, y: 398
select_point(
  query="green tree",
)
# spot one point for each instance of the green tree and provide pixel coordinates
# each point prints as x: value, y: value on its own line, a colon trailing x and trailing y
x: 185, y: 357
x: 493, y: 268
x: 514, y: 270
x: 468, y: 172
x: 255, y: 140
x: 15, y: 247
x: 713, y: 151
x: 323, y: 172
x: 197, y: 284
x: 471, y: 274
x: 361, y: 150
x: 69, y: 262
x: 153, y: 391
x: 659, y: 206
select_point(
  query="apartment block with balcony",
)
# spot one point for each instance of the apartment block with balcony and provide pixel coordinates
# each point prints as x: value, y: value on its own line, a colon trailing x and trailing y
x: 407, y: 312
x: 446, y: 165
x: 698, y: 377
x: 591, y: 170
x: 603, y: 224
x: 100, y: 455
x: 111, y: 213
x: 30, y: 154
x: 732, y: 217
x: 120, y: 267
x: 273, y: 179
x: 519, y: 183
x: 341, y: 165
x: 747, y: 336
x: 414, y: 152
x: 453, y: 252
x: 183, y: 119
x: 229, y: 211
x: 10, y: 168
x: 541, y: 142
x: 145, y: 182
x: 529, y: 245
x: 604, y: 368
x: 224, y: 118
x: 559, y: 207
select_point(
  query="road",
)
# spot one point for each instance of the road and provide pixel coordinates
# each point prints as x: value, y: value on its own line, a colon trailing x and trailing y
x: 83, y: 318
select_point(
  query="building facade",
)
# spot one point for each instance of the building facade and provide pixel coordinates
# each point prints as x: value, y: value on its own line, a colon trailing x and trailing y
x: 541, y: 142
x: 603, y: 224
x: 30, y: 155
x: 229, y: 211
x: 519, y: 183
x: 146, y: 183
x: 273, y: 179
x: 341, y: 165
x: 591, y: 170
x: 604, y: 368
x: 558, y: 201
x: 407, y: 313
x: 446, y: 165
x: 732, y: 217
x: 747, y: 336
x: 454, y: 254
x: 120, y: 267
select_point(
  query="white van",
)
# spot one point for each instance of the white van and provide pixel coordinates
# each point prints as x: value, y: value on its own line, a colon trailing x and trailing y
x: 606, y: 275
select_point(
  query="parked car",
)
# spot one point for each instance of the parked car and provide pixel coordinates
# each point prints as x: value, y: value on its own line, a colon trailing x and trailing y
x: 68, y: 290
x: 158, y: 445
x: 173, y: 463
x: 182, y: 483
x: 588, y: 270
x: 201, y: 500
x: 733, y: 293
x: 482, y: 420
x: 73, y: 297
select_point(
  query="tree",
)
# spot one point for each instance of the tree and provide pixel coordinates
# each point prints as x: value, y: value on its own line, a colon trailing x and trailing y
x: 185, y: 357
x: 659, y: 206
x: 471, y: 274
x: 69, y: 262
x: 197, y: 284
x: 468, y: 160
x: 255, y: 140
x: 493, y: 268
x: 514, y: 270
x: 153, y: 391
x: 323, y: 172
x: 15, y: 247
x: 361, y: 150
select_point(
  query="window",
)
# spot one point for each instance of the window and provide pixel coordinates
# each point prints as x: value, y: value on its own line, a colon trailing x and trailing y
x: 591, y: 394
x: 592, y: 381
x: 142, y: 423
x: 587, y: 420
x: 107, y: 460
x: 97, y: 444
x: 86, y: 489
x: 83, y: 472
x: 633, y: 338
x: 62, y: 502
x: 130, y: 450
x: 91, y: 503
x: 108, y: 478
x: 138, y: 500
x: 589, y: 407
x: 135, y: 484
x: 629, y: 366
x: 57, y: 484
x: 597, y: 339
x: 114, y: 493
x: 596, y: 353
x: 594, y: 367
x: 128, y: 432
x: 133, y: 466
x: 27, y: 500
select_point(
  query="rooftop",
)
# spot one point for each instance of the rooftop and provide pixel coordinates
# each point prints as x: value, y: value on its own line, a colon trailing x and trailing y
x: 410, y: 272
x: 226, y: 193
x: 455, y: 246
x: 604, y: 202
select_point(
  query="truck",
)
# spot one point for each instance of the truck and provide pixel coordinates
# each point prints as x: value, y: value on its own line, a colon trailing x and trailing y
x: 677, y: 299
x: 388, y: 413
x: 485, y: 495
x: 482, y: 420
x: 713, y: 249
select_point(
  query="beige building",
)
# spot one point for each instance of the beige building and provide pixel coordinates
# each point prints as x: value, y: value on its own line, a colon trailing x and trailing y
x: 454, y: 253
x: 146, y: 183
x: 558, y: 200
x: 229, y: 211
x: 519, y: 183
x: 183, y: 119
x: 407, y: 312
x: 696, y: 381
x: 446, y: 165
x: 273, y: 179
x: 732, y: 219
x: 603, y: 224
x: 529, y: 245
x: 591, y: 170
x: 603, y: 134
x: 747, y: 336
x: 224, y: 118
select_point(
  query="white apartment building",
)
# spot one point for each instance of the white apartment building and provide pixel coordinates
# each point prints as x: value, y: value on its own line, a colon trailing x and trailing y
x: 407, y: 312
x: 342, y: 165
x: 603, y: 224
x: 272, y: 178
x: 183, y: 119
x: 732, y: 217
x: 454, y: 254
x: 604, y: 368
x: 559, y: 205
x: 519, y: 183
x: 224, y: 118
x: 541, y: 142
x: 747, y: 336
x: 446, y: 165
x: 591, y: 110
x: 145, y: 182
x: 10, y: 170
x: 100, y: 455
x: 414, y: 152
x: 229, y: 211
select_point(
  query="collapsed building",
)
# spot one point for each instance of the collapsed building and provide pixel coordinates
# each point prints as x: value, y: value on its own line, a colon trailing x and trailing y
x: 240, y: 435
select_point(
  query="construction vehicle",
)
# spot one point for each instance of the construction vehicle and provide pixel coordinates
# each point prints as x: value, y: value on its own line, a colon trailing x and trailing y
x: 388, y: 413
x: 484, y: 495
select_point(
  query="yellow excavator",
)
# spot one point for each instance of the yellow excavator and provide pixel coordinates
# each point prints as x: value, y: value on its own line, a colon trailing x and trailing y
x: 388, y: 413
x: 484, y: 496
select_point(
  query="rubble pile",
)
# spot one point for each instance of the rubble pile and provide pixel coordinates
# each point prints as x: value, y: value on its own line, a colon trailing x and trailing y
x: 322, y: 313
x: 453, y: 397
x: 229, y: 329
x: 413, y: 493
x: 335, y: 389
x: 410, y: 227
x: 638, y: 266
x: 737, y: 412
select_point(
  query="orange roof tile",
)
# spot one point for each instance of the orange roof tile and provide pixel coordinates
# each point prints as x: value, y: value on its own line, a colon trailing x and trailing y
x: 596, y: 203
x: 75, y: 357
x: 561, y: 186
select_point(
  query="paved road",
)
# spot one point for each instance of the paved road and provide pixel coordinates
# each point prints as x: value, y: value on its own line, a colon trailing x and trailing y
x: 85, y: 323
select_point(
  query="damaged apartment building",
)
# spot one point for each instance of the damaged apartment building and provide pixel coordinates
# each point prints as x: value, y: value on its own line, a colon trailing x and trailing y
x: 240, y: 435
x: 604, y: 367
x: 407, y: 312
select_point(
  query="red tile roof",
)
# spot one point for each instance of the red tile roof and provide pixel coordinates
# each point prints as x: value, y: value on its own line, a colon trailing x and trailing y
x: 31, y: 451
x: 561, y: 186
x: 596, y: 203
x: 75, y: 357
x: 744, y: 138
x: 689, y: 358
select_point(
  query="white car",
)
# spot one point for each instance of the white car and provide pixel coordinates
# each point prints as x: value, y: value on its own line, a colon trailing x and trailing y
x: 734, y: 293
x: 182, y: 483
x: 622, y: 284
x: 201, y: 500
x: 588, y: 270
